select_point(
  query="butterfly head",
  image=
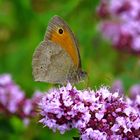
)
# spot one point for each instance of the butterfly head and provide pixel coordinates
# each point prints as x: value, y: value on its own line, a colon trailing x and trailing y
x: 82, y: 75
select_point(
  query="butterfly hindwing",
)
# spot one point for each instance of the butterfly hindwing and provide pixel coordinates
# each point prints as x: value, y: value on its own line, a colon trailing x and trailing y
x: 51, y: 63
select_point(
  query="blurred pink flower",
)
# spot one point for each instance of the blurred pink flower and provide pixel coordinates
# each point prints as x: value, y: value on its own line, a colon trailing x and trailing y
x: 117, y: 86
x: 134, y: 91
x: 13, y: 100
x: 120, y: 23
x: 10, y: 94
x: 134, y: 94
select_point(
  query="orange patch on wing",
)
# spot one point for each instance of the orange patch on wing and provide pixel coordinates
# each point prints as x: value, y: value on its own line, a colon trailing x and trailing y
x: 65, y: 41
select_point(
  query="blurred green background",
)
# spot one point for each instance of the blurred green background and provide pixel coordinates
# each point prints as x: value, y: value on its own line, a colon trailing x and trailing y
x: 22, y: 26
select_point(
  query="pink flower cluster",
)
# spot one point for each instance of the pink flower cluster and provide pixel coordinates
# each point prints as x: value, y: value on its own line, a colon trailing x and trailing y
x: 13, y: 100
x: 120, y: 23
x: 98, y: 115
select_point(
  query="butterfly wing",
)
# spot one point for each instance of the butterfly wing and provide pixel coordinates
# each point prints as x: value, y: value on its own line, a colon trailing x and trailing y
x: 51, y: 63
x: 57, y: 59
x: 59, y: 32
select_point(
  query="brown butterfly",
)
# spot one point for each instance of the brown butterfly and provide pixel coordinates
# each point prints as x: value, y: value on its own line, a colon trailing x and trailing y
x: 57, y: 59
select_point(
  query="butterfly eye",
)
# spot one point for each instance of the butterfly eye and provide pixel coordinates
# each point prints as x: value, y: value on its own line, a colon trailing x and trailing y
x: 60, y: 31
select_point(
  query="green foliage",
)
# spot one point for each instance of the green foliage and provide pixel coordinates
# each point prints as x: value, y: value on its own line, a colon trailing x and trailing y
x: 22, y: 27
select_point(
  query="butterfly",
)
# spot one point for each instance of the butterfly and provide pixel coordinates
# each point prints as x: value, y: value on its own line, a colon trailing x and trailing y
x: 57, y: 58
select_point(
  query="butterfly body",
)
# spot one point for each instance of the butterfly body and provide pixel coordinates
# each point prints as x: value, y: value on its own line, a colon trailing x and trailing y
x: 57, y: 58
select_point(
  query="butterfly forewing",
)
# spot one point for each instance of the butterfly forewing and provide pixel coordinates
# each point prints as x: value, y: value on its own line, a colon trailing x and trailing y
x: 65, y: 39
